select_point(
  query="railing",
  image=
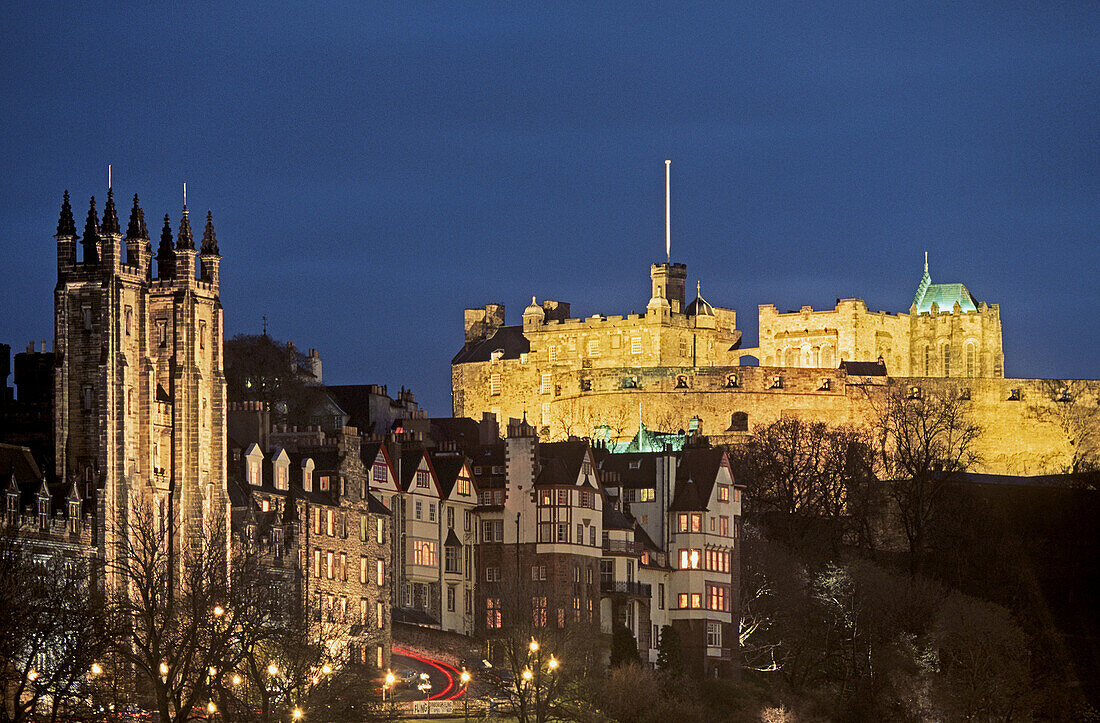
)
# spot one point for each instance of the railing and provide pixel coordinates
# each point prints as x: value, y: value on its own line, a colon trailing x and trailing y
x: 611, y: 587
x: 622, y: 546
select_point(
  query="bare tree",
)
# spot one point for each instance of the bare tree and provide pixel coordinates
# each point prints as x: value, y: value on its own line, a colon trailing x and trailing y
x: 181, y: 620
x: 548, y: 653
x: 53, y: 633
x: 1073, y: 407
x: 927, y: 442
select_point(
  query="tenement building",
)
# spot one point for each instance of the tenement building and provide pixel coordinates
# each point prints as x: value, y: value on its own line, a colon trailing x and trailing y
x: 676, y: 361
x: 139, y: 393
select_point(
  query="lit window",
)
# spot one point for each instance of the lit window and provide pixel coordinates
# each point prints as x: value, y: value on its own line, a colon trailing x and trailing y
x: 494, y: 385
x: 552, y: 353
x: 378, y: 524
x: 696, y: 522
x: 544, y: 388
x: 635, y: 345
x: 723, y: 493
x: 380, y: 572
x: 593, y: 347
x: 714, y: 635
x: 682, y: 600
x: 696, y: 600
x: 363, y: 570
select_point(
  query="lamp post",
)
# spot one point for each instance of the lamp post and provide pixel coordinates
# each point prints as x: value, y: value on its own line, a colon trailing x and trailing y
x: 390, y: 680
x: 465, y: 694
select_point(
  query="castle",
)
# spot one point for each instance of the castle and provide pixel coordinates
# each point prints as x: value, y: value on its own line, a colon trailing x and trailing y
x: 139, y: 393
x: 569, y: 376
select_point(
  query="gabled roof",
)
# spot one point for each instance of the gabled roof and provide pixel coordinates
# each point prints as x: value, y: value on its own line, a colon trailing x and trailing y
x: 447, y: 468
x: 695, y: 478
x: 410, y: 463
x: 864, y: 368
x: 613, y: 519
x: 560, y: 463
x: 508, y: 339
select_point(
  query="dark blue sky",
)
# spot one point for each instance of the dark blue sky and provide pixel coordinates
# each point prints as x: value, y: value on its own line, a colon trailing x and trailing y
x: 374, y: 169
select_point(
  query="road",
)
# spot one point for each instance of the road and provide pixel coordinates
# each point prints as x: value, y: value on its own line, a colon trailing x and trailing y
x: 444, y: 678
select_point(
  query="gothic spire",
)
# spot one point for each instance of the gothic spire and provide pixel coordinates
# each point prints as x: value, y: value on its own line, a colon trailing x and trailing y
x: 166, y: 259
x: 66, y: 225
x: 185, y: 239
x: 110, y: 216
x: 925, y: 282
x: 91, y: 235
x: 136, y: 228
x: 209, y: 240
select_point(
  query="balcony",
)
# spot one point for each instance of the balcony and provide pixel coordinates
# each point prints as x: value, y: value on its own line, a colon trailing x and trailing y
x: 626, y: 546
x: 618, y: 587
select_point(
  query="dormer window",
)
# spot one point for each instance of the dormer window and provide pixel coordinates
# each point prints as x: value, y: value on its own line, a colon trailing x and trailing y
x: 421, y: 478
x: 307, y: 474
x: 44, y: 512
x: 74, y: 515
x: 281, y: 474
x: 324, y: 483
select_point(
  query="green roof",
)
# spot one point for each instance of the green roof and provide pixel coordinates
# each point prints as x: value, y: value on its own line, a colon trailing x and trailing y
x: 943, y: 296
x: 645, y: 440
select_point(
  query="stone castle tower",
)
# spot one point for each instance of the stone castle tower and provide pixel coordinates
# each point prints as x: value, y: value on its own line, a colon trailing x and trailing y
x: 139, y: 385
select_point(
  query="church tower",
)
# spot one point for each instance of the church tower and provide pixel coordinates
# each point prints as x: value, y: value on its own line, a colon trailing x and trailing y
x: 139, y: 385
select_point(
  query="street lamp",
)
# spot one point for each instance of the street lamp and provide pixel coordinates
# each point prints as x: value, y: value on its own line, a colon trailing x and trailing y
x: 534, y: 645
x: 273, y: 669
x: 96, y: 669
x: 553, y: 664
x: 388, y: 685
x: 211, y: 708
x: 326, y: 668
x: 297, y: 713
x: 465, y: 694
x: 218, y: 611
x: 236, y: 679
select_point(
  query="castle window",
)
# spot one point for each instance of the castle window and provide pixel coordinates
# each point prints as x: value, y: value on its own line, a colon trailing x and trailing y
x: 202, y: 335
x: 971, y: 359
x: 552, y: 353
x: 162, y: 332
x: 494, y: 385
x: 545, y: 413
x: 86, y: 311
x: 129, y: 318
x: 87, y: 399
x: 635, y: 345
x: 790, y: 357
x: 947, y: 360
x: 683, y: 347
x: 544, y: 388
x: 593, y: 347
x: 827, y: 358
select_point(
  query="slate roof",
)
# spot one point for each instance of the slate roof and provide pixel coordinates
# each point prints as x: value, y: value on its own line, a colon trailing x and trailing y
x: 695, y: 477
x: 864, y: 368
x: 509, y: 339
x: 447, y: 468
x: 642, y: 476
x: 613, y: 519
x: 560, y: 463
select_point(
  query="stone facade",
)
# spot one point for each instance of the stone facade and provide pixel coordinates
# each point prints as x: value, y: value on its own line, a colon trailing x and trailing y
x: 139, y: 393
x: 546, y: 371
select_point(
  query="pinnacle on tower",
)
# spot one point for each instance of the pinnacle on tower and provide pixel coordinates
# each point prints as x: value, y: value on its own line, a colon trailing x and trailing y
x: 209, y: 240
x: 166, y: 259
x: 185, y: 239
x: 66, y: 225
x: 136, y: 228
x: 91, y: 235
x: 110, y: 216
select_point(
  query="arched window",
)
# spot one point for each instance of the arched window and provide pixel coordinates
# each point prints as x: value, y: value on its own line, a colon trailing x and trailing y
x: 927, y: 361
x: 828, y: 360
x: 790, y: 357
x: 971, y: 359
x: 947, y: 360
x: 739, y: 422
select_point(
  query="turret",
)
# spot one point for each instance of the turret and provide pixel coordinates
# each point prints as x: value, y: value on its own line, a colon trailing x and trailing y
x: 66, y: 238
x: 668, y: 282
x: 138, y: 249
x: 91, y: 236
x: 185, y: 248
x: 110, y: 233
x: 209, y: 258
x: 166, y: 256
x: 533, y: 316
